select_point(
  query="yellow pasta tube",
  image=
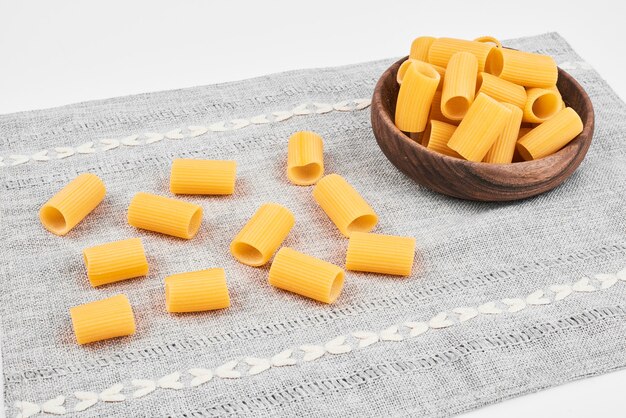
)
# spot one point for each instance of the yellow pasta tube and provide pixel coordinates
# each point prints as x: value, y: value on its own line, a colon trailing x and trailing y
x: 103, y: 319
x: 501, y: 152
x: 415, y: 96
x: 196, y: 291
x: 305, y: 275
x: 480, y: 128
x: 501, y: 90
x: 435, y: 111
x: 436, y: 137
x: 115, y: 261
x: 162, y: 214
x: 205, y: 177
x: 344, y: 205
x: 305, y: 158
x: 541, y: 105
x: 550, y: 136
x: 377, y: 253
x: 489, y: 56
x: 459, y: 86
x: 259, y: 239
x: 528, y: 69
x: 403, y: 67
x: 72, y: 203
x: 420, y: 47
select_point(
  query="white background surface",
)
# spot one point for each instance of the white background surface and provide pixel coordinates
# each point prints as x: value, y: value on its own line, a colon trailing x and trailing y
x: 59, y: 52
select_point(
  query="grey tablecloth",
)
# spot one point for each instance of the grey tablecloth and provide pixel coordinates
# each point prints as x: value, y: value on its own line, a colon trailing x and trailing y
x: 505, y: 299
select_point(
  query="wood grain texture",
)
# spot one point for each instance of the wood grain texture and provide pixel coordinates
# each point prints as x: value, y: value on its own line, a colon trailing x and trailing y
x: 471, y: 180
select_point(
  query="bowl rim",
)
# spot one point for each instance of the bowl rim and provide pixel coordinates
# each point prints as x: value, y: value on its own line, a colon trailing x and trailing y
x: 513, y: 169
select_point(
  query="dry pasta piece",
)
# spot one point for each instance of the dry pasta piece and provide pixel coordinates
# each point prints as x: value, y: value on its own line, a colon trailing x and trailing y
x: 480, y: 128
x: 489, y: 40
x: 377, y: 253
x: 501, y: 90
x: 103, y: 319
x: 205, y: 177
x: 115, y: 261
x: 72, y: 203
x: 550, y: 136
x: 162, y: 214
x: 305, y: 158
x: 435, y: 111
x: 436, y: 137
x: 420, y: 47
x: 259, y: 239
x: 344, y: 205
x: 541, y: 105
x: 528, y: 69
x: 489, y: 56
x: 501, y: 152
x: 305, y: 275
x: 405, y: 64
x: 459, y: 86
x: 415, y: 96
x: 196, y: 291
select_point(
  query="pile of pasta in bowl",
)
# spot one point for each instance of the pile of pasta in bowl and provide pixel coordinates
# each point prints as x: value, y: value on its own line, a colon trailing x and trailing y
x: 481, y: 102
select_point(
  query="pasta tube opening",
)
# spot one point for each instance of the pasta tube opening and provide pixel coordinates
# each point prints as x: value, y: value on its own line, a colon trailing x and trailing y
x: 305, y: 158
x: 247, y: 254
x: 363, y: 223
x: 494, y: 63
x: 53, y: 219
x: 194, y: 222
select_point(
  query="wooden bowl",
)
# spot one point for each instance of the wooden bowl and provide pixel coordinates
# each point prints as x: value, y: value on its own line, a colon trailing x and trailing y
x: 471, y: 180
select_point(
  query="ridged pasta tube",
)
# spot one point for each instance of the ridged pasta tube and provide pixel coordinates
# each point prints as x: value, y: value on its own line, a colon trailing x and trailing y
x: 162, y: 214
x: 501, y: 152
x: 459, y: 85
x: 501, y: 90
x: 377, y: 253
x: 480, y: 128
x: 305, y: 275
x: 541, y: 105
x: 72, y: 203
x: 344, y: 205
x: 259, y: 239
x: 103, y: 319
x: 115, y: 261
x: 305, y: 158
x: 403, y: 67
x: 420, y: 47
x: 415, y: 96
x: 203, y: 177
x: 196, y: 291
x: 436, y: 137
x: 550, y: 136
x: 489, y: 56
x: 528, y: 69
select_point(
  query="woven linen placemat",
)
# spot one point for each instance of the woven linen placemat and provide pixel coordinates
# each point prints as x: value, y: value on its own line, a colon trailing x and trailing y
x: 505, y: 298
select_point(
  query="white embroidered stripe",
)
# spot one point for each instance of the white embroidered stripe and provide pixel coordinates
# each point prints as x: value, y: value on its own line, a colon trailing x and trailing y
x: 343, y: 344
x: 192, y: 131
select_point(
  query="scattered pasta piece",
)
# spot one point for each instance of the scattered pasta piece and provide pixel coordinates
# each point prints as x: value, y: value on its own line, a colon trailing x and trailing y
x: 459, y: 85
x: 115, y: 261
x: 259, y: 239
x: 489, y: 56
x: 541, y: 105
x: 436, y: 138
x: 162, y: 214
x: 480, y: 128
x: 203, y: 290
x: 501, y: 90
x: 528, y: 69
x: 344, y: 205
x: 305, y: 275
x: 415, y: 96
x: 204, y: 177
x: 550, y: 136
x: 501, y: 152
x: 72, y: 203
x: 103, y: 319
x: 305, y: 158
x: 377, y: 253
x: 420, y: 47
